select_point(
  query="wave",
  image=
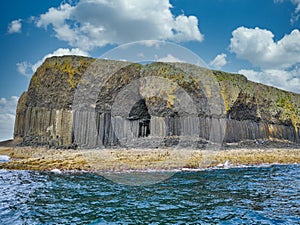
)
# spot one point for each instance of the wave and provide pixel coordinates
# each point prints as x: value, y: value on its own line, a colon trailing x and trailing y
x: 4, y: 158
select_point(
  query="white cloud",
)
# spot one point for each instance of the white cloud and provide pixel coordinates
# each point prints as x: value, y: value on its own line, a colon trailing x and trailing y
x: 219, y: 61
x: 95, y: 23
x: 297, y: 10
x: 258, y: 46
x: 169, y: 58
x: 296, y: 14
x: 151, y: 43
x: 287, y: 80
x: 297, y: 3
x: 27, y: 69
x: 7, y: 117
x: 15, y: 26
x: 277, y: 61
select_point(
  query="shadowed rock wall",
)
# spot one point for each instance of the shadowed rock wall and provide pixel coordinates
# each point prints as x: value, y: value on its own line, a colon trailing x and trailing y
x: 43, y: 126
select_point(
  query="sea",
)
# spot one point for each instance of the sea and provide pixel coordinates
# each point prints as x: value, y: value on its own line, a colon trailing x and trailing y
x: 267, y: 194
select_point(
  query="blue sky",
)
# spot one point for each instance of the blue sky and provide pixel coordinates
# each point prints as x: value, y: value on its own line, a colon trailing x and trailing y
x: 258, y: 38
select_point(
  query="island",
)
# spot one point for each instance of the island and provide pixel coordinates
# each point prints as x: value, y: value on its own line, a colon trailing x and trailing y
x: 123, y: 115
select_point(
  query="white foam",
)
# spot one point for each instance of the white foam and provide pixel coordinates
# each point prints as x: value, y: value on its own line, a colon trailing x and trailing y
x: 227, y: 164
x: 56, y: 171
x: 4, y: 158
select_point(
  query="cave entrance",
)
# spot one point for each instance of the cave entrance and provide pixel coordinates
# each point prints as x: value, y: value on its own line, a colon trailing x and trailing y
x: 139, y: 112
x: 144, y: 128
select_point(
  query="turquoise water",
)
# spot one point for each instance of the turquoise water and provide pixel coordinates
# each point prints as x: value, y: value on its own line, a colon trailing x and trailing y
x: 255, y: 195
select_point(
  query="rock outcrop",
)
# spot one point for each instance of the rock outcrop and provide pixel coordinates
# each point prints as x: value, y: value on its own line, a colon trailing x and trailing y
x: 79, y: 101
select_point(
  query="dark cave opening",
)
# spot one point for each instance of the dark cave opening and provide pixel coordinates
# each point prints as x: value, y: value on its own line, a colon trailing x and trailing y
x: 139, y: 111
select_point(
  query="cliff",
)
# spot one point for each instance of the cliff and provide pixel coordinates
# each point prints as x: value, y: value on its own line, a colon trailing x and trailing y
x: 82, y: 101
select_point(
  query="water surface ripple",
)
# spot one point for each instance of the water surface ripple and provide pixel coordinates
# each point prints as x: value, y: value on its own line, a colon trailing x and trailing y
x: 254, y: 195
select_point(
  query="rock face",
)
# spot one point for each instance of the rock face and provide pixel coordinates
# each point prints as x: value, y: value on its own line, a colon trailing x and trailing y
x: 78, y: 101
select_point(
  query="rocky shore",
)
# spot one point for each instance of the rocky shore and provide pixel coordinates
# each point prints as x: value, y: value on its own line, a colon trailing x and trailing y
x: 45, y: 159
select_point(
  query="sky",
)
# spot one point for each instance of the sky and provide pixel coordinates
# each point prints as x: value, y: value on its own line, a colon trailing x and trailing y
x: 257, y: 38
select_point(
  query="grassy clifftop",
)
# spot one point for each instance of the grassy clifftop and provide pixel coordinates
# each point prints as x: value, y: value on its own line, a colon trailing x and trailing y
x: 54, y: 82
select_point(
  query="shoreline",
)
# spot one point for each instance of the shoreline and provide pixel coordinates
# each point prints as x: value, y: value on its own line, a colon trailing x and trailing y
x: 120, y: 160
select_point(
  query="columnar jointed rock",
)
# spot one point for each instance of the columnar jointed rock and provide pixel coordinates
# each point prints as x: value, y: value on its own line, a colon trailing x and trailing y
x: 81, y: 101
